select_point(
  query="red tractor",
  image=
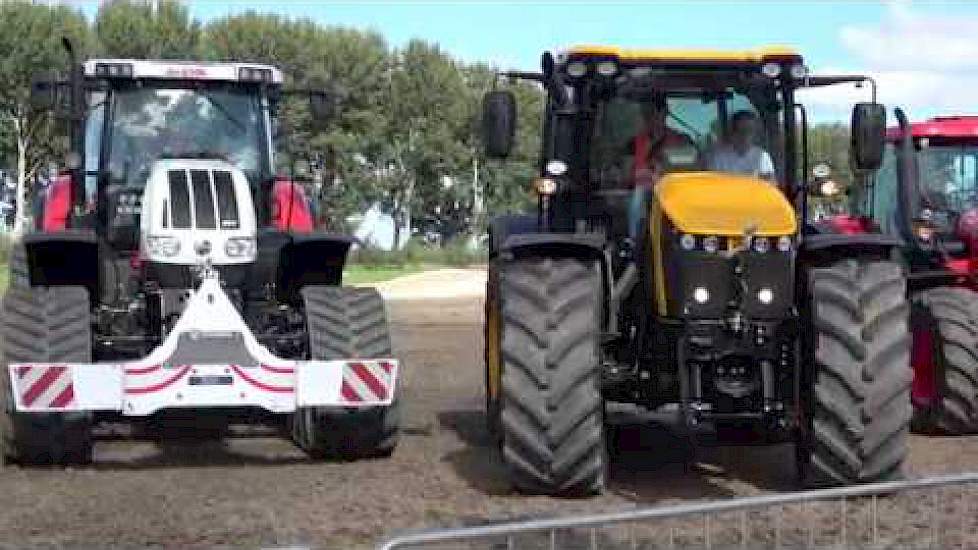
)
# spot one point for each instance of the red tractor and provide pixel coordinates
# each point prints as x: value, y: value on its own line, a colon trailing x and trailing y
x: 927, y: 194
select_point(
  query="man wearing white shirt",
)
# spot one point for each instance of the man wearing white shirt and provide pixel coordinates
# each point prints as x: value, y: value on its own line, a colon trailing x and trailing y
x: 739, y: 155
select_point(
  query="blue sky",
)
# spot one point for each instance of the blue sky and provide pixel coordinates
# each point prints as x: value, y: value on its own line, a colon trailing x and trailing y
x: 920, y: 52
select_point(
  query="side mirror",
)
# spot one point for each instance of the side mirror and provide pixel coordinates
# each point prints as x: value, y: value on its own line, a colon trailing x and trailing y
x: 44, y: 93
x: 498, y: 123
x: 547, y: 65
x: 323, y: 107
x: 868, y: 133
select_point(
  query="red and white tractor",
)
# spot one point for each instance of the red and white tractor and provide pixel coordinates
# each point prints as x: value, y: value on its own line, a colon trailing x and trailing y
x: 172, y: 270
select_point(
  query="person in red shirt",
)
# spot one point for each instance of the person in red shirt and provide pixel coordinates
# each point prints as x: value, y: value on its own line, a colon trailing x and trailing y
x: 648, y: 150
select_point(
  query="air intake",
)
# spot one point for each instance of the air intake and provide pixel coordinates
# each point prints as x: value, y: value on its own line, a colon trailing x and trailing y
x: 201, y: 199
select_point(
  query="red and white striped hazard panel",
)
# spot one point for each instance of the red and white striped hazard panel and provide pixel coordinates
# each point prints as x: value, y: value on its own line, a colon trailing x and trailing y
x: 367, y: 381
x: 45, y: 386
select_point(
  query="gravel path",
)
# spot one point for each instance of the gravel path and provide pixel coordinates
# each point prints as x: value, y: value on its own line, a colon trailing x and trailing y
x: 252, y: 492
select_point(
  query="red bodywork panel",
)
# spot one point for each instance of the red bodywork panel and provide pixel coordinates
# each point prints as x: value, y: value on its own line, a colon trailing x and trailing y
x: 844, y: 224
x: 923, y: 390
x: 57, y: 204
x: 959, y: 128
x: 290, y: 207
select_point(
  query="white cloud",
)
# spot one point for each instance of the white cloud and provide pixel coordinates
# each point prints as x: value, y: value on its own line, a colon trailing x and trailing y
x: 924, y: 62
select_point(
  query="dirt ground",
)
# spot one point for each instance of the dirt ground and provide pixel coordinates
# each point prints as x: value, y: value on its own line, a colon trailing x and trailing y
x: 198, y: 492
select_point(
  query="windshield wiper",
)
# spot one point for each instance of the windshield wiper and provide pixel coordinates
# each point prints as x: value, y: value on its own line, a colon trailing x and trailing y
x: 223, y: 109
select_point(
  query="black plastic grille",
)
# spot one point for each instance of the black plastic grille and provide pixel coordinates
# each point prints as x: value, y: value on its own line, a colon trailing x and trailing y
x: 179, y: 199
x: 227, y: 206
x: 203, y: 199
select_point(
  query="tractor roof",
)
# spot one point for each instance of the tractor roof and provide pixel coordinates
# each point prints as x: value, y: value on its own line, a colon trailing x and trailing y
x: 681, y: 56
x: 182, y: 70
x: 952, y: 127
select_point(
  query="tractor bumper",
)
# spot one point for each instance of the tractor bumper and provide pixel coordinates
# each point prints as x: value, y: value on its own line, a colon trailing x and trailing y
x: 209, y: 359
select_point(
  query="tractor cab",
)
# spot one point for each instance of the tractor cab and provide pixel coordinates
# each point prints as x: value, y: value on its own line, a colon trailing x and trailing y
x: 172, y: 163
x: 133, y: 113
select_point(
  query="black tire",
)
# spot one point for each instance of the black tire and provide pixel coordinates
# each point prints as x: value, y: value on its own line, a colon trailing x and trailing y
x: 952, y: 316
x: 45, y: 325
x: 347, y: 323
x: 551, y: 409
x: 500, y: 228
x: 858, y: 390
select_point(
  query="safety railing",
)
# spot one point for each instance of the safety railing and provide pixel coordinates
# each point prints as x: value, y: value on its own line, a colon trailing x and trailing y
x: 936, y: 512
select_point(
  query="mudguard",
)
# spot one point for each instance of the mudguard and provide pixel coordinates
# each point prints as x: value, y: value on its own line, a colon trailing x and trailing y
x: 63, y: 258
x: 311, y: 259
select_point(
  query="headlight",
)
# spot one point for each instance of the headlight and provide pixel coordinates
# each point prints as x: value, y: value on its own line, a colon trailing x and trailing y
x: 924, y: 232
x: 163, y: 246
x: 765, y: 296
x: 576, y: 69
x: 771, y: 70
x: 784, y: 243
x: 687, y: 242
x: 711, y: 244
x: 761, y: 244
x: 238, y: 247
x: 545, y: 186
x: 701, y: 295
x: 798, y: 71
x: 607, y: 68
x: 556, y: 168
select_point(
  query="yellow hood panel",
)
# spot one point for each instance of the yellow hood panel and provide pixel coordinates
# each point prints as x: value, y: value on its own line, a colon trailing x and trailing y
x: 712, y: 203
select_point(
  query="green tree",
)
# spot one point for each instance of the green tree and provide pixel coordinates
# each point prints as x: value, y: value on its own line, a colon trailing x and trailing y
x: 829, y: 143
x: 501, y: 186
x: 31, y: 40
x: 353, y: 65
x: 426, y: 132
x: 141, y: 29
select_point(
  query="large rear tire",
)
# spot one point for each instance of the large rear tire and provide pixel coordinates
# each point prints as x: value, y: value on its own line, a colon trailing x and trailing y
x: 551, y: 410
x: 347, y: 323
x: 857, y: 408
x: 951, y: 316
x: 43, y: 325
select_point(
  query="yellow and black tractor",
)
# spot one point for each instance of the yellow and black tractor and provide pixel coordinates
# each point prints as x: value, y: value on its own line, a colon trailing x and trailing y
x: 670, y: 263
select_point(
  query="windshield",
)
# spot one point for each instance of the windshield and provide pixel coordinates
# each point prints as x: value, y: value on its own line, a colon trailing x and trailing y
x: 642, y: 132
x: 948, y: 175
x: 154, y: 123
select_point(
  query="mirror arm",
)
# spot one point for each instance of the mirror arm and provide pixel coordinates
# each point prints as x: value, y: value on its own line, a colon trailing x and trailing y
x: 297, y: 91
x: 522, y: 75
x: 552, y: 84
x: 803, y: 181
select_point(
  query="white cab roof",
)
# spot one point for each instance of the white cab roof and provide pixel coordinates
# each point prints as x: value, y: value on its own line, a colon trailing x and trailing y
x: 183, y: 70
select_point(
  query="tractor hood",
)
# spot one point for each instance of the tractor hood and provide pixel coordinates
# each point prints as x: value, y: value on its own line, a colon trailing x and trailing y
x: 197, y: 211
x: 713, y: 203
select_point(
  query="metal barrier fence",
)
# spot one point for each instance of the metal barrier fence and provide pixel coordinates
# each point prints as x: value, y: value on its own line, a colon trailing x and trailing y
x: 937, y: 512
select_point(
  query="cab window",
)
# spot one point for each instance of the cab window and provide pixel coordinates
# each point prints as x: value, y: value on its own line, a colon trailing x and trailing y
x: 678, y: 130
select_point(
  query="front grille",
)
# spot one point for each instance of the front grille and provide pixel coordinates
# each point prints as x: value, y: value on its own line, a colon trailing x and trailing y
x: 203, y: 199
x: 205, y: 189
x: 227, y: 206
x: 179, y: 199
